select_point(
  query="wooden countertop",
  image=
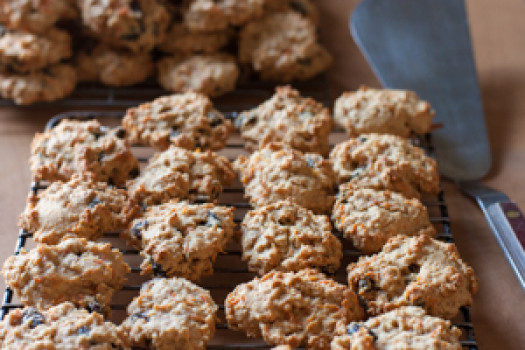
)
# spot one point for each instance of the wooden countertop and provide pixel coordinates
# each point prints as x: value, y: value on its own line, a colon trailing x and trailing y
x: 498, y: 32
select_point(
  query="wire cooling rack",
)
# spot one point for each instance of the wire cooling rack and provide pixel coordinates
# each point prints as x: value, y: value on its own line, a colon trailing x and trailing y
x: 229, y: 269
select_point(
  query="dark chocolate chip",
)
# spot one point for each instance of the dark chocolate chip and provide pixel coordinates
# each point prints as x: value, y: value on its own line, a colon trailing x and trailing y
x: 83, y: 330
x: 357, y: 172
x: 157, y: 268
x: 138, y: 227
x: 286, y: 221
x: 372, y: 334
x: 352, y: 328
x: 120, y: 133
x: 94, y: 306
x: 139, y: 315
x: 245, y: 120
x: 32, y: 315
x: 362, y: 139
x: 214, y: 118
x: 414, y: 268
x: 213, y: 219
x: 174, y: 131
x: 366, y: 285
x: 94, y: 202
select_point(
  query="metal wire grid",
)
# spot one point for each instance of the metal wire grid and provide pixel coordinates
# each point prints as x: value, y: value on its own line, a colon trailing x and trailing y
x: 232, y: 269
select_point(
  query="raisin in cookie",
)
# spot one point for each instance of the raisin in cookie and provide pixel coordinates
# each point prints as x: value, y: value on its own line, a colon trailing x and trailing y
x: 179, y: 173
x: 171, y: 314
x: 369, y: 218
x: 285, y: 236
x: 383, y: 111
x: 277, y: 172
x: 22, y: 52
x: 181, y: 239
x: 137, y: 25
x: 45, y: 85
x: 185, y: 120
x: 82, y: 146
x: 292, y: 308
x: 385, y: 162
x: 76, y: 270
x: 416, y: 271
x: 179, y: 39
x: 404, y: 328
x: 80, y: 207
x: 300, y: 122
x: 212, y: 75
x: 283, y: 47
x: 59, y: 328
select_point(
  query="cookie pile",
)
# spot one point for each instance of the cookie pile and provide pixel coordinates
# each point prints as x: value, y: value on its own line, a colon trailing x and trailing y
x: 401, y: 293
x: 46, y: 47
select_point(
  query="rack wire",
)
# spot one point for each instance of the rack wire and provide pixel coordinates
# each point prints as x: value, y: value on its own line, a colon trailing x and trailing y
x: 229, y: 269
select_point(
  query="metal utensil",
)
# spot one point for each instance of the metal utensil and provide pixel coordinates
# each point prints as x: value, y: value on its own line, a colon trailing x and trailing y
x: 424, y: 45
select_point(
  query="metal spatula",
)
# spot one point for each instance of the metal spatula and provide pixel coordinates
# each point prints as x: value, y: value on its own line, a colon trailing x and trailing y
x: 424, y: 45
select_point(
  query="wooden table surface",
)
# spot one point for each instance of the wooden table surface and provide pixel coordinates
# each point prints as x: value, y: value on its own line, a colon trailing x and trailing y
x: 498, y: 31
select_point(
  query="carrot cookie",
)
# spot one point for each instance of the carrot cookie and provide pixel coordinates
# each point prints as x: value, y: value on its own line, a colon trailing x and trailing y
x: 75, y: 270
x: 82, y: 146
x: 171, y: 314
x: 211, y: 75
x: 277, y: 172
x: 284, y: 236
x: 404, y: 328
x: 179, y: 173
x: 186, y: 120
x: 23, y: 52
x: 80, y: 207
x: 369, y: 218
x: 385, y: 162
x: 416, y: 271
x: 300, y: 122
x: 383, y: 111
x: 283, y: 47
x: 292, y: 308
x: 60, y: 327
x: 45, y: 85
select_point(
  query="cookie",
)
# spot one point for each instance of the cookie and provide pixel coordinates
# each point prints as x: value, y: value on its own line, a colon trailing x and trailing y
x: 46, y: 85
x: 76, y: 270
x: 416, y: 271
x: 214, y: 15
x: 284, y: 236
x: 383, y: 111
x: 171, y: 314
x: 292, y: 308
x: 181, y: 239
x: 60, y: 327
x: 277, y: 172
x: 186, y: 120
x: 287, y: 117
x: 385, y: 162
x: 369, y: 218
x: 36, y: 16
x: 282, y: 47
x: 179, y: 173
x: 179, y: 39
x: 82, y: 146
x: 404, y: 328
x: 79, y: 207
x: 212, y: 75
x: 113, y: 67
x: 137, y: 25
x: 24, y: 52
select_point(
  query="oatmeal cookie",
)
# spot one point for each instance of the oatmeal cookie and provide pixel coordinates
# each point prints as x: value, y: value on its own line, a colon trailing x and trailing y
x: 212, y: 75
x: 80, y: 207
x: 383, y: 111
x: 179, y: 39
x: 113, y: 67
x: 23, y: 52
x: 292, y: 308
x: 277, y: 172
x: 282, y: 47
x: 76, y: 270
x: 385, y: 162
x: 300, y: 122
x: 171, y: 314
x: 418, y: 271
x: 179, y: 173
x: 405, y: 328
x: 369, y: 218
x: 49, y: 84
x: 82, y: 146
x: 284, y: 236
x: 137, y: 25
x: 186, y: 120
x: 61, y: 327
x: 181, y: 239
